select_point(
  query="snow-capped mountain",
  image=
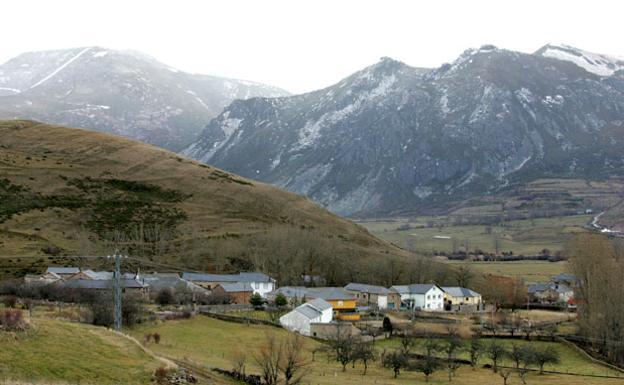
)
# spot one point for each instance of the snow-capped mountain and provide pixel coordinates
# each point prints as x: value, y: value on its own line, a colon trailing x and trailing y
x: 392, y: 138
x: 121, y: 92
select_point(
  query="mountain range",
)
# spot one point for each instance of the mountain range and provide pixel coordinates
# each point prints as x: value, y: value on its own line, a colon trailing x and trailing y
x: 392, y: 139
x: 121, y: 92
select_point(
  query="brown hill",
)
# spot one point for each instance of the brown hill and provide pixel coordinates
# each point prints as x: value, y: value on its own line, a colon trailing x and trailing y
x: 67, y: 192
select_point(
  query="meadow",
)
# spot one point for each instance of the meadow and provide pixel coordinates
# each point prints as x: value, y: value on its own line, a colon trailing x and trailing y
x: 213, y: 343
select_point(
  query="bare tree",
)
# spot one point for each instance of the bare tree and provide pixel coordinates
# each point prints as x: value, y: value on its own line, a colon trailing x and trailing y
x: 452, y: 345
x: 476, y: 348
x: 292, y: 361
x: 496, y: 352
x: 268, y: 359
x: 365, y: 352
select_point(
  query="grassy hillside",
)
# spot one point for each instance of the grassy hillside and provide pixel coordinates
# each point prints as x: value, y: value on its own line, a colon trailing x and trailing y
x: 66, y: 191
x: 63, y: 352
x: 214, y: 343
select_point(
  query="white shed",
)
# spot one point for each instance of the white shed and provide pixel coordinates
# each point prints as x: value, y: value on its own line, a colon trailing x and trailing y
x: 300, y: 319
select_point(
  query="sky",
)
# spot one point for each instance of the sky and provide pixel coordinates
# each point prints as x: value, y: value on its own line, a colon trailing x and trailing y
x: 302, y: 45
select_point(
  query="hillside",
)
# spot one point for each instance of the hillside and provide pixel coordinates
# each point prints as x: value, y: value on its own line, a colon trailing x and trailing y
x: 397, y: 140
x: 56, y: 352
x: 121, y: 92
x: 66, y: 192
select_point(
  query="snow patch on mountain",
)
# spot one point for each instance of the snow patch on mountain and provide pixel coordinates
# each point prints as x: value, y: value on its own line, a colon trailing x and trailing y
x: 598, y: 64
x: 59, y: 69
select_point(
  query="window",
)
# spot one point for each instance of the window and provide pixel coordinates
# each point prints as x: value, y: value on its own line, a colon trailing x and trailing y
x: 429, y: 297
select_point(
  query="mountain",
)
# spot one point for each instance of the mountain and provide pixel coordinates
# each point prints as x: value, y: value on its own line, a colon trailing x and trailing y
x: 121, y: 92
x: 67, y: 192
x: 392, y: 139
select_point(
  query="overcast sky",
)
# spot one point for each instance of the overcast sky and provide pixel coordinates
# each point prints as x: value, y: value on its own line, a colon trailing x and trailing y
x: 302, y: 45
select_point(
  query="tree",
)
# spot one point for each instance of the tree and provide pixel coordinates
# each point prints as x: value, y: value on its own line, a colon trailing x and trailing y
x: 476, y: 347
x: 504, y: 373
x: 291, y: 360
x: 395, y: 360
x: 547, y: 355
x: 238, y: 360
x: 256, y: 301
x: 280, y: 300
x: 387, y: 326
x: 463, y: 276
x: 427, y: 365
x: 496, y: 352
x: 451, y: 346
x: 268, y: 360
x: 365, y: 352
x: 342, y: 345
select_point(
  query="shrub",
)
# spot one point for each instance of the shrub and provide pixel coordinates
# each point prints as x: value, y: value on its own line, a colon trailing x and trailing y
x: 12, y: 320
x: 10, y: 301
x: 165, y: 297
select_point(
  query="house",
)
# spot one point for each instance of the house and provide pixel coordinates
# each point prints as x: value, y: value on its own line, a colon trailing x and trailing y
x: 300, y: 320
x: 567, y: 279
x: 343, y: 303
x: 160, y: 281
x: 295, y: 295
x: 43, y: 279
x: 372, y: 295
x: 455, y: 297
x: 63, y: 272
x: 259, y: 282
x: 550, y: 293
x: 427, y: 297
x: 461, y: 296
x: 129, y: 286
x: 239, y: 293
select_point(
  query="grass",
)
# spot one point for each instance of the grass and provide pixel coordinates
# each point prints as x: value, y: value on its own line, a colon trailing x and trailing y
x: 212, y: 209
x: 212, y: 342
x: 530, y: 271
x: 60, y: 351
x: 522, y: 237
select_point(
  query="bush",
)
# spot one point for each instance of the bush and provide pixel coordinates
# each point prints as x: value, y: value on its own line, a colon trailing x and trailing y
x: 10, y: 301
x: 12, y: 320
x: 165, y: 297
x: 280, y: 300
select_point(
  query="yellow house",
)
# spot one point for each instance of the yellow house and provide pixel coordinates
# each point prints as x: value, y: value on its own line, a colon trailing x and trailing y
x: 461, y: 296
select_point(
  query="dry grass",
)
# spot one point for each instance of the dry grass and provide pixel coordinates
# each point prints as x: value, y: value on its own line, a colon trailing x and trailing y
x: 211, y: 342
x: 221, y: 206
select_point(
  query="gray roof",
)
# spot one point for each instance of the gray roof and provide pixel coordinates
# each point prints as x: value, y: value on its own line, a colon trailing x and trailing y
x: 236, y: 287
x: 241, y: 277
x: 565, y: 277
x: 320, y: 304
x: 159, y: 282
x: 308, y: 311
x: 539, y: 287
x: 364, y: 288
x: 98, y: 284
x: 417, y: 288
x: 291, y: 291
x: 63, y: 270
x: 326, y: 293
x: 456, y: 291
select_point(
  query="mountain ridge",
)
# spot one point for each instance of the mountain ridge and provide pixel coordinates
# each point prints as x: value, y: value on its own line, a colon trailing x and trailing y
x: 391, y: 138
x: 122, y: 92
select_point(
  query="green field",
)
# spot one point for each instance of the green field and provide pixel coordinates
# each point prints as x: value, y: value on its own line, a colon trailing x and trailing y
x: 212, y: 343
x: 430, y: 235
x: 53, y: 351
x: 530, y: 271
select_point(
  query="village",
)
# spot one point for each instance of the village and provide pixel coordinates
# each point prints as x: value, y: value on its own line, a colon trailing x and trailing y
x: 307, y: 310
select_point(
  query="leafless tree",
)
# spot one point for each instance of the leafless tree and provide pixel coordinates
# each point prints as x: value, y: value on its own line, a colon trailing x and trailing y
x: 292, y: 361
x: 268, y: 360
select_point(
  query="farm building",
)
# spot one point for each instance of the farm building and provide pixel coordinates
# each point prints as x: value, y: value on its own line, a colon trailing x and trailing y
x: 343, y: 303
x: 457, y: 297
x: 239, y: 293
x: 300, y: 320
x: 259, y: 282
x: 377, y: 297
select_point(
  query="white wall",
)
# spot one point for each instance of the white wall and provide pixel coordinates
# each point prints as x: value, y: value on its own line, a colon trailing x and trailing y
x: 433, y: 299
x: 382, y: 301
x: 263, y: 288
x: 296, y: 322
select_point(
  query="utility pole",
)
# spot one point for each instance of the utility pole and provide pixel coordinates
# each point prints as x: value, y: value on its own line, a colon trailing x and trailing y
x: 117, y: 291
